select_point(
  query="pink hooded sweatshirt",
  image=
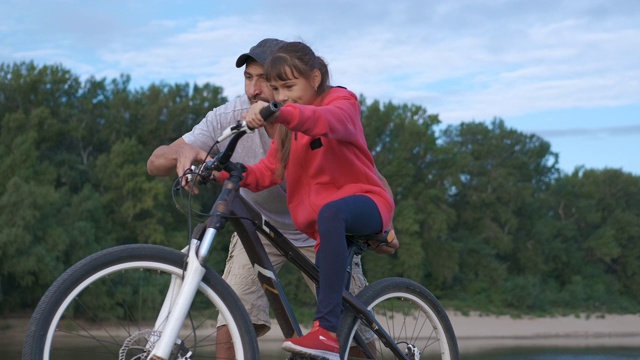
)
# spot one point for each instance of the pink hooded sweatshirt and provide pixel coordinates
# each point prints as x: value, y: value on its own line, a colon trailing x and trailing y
x: 329, y: 160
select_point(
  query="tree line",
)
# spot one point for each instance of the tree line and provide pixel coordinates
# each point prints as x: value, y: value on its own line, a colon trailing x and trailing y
x: 485, y: 217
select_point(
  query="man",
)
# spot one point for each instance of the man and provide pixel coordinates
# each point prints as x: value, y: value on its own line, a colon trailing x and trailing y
x: 192, y: 148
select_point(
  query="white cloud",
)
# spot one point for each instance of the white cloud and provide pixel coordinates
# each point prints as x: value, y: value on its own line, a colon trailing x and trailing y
x: 464, y: 59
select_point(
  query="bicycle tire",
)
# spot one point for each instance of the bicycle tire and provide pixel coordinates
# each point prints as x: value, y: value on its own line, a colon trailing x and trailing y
x: 101, y: 304
x: 410, y: 314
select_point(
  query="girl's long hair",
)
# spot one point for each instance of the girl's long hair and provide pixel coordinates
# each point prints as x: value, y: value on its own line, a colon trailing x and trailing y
x: 294, y: 59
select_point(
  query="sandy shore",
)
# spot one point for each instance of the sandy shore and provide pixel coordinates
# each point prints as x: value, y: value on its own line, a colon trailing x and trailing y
x: 477, y: 332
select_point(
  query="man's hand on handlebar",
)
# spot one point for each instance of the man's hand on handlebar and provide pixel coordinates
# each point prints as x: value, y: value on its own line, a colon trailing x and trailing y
x: 186, y: 156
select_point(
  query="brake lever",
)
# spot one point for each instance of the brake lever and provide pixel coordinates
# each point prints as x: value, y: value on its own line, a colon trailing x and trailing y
x: 266, y: 113
x: 203, y: 172
x: 190, y: 173
x: 187, y: 175
x: 234, y: 129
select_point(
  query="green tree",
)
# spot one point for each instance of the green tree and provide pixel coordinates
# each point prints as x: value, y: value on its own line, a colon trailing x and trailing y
x: 484, y: 218
x: 134, y: 205
x: 496, y: 177
x: 25, y: 87
x: 402, y: 139
x: 31, y: 238
x: 595, y: 255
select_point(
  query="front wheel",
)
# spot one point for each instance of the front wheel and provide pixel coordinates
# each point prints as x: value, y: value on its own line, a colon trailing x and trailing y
x: 409, y: 313
x: 105, y: 307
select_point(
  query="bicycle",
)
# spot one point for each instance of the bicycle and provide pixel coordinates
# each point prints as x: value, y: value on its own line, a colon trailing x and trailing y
x: 152, y: 302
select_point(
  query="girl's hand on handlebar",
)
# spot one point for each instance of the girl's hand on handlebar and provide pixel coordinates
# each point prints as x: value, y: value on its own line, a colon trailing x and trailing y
x: 253, y: 118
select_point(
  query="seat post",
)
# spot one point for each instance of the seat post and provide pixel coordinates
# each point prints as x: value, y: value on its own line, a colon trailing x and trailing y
x: 353, y: 249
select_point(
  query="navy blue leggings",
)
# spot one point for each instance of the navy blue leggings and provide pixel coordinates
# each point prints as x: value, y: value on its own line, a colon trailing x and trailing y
x: 355, y: 214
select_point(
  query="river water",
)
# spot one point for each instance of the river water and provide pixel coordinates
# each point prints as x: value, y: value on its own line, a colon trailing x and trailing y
x: 557, y: 354
x: 539, y: 353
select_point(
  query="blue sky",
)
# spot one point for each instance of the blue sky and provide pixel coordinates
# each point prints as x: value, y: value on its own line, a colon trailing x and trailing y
x: 568, y: 71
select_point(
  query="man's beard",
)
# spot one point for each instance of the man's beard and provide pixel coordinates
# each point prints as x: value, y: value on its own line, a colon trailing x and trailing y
x: 255, y: 99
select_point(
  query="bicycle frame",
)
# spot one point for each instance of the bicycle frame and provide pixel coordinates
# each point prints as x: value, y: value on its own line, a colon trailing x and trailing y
x: 248, y: 234
x: 231, y: 207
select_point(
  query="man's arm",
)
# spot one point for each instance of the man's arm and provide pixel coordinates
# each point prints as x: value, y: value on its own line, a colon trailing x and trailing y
x: 178, y: 157
x: 182, y: 153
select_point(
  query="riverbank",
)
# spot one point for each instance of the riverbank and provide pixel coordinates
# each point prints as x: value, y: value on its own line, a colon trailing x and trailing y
x: 477, y: 333
x: 480, y: 332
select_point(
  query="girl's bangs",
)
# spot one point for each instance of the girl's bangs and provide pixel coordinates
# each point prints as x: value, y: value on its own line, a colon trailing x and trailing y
x: 280, y: 69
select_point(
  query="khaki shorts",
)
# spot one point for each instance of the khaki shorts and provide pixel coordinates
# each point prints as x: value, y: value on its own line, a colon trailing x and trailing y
x: 243, y: 280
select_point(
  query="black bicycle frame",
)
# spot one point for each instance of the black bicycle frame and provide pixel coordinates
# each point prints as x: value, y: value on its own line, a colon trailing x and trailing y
x: 247, y: 221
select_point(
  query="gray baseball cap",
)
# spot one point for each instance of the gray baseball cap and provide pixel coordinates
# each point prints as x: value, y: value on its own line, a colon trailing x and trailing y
x: 260, y: 51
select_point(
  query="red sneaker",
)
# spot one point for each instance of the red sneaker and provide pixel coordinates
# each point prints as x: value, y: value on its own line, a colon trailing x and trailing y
x: 318, y: 343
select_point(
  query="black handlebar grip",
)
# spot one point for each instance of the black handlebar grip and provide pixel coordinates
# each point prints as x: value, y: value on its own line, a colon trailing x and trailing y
x: 269, y: 110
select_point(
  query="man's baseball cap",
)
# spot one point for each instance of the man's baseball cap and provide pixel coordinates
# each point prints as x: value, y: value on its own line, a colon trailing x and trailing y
x: 260, y: 51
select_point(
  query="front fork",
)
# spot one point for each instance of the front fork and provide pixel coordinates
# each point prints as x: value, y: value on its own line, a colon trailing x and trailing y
x: 179, y: 298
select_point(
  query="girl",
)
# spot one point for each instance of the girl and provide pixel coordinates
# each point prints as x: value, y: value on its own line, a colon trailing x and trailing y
x: 333, y: 186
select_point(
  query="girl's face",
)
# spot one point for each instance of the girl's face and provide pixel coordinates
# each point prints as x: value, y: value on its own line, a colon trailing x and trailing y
x: 296, y: 89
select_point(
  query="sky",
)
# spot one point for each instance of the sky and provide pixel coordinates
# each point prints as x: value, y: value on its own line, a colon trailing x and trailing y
x: 566, y: 70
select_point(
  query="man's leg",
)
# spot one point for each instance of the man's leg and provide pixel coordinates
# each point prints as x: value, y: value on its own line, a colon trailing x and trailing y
x: 240, y: 275
x: 224, y: 346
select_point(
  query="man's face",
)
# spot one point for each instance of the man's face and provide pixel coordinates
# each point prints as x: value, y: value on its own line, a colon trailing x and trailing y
x: 255, y: 85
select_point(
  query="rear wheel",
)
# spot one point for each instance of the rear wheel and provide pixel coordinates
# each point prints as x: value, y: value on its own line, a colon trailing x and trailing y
x: 105, y: 307
x: 409, y: 313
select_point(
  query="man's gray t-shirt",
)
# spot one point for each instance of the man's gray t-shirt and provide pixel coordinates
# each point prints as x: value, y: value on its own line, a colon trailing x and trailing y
x: 272, y: 202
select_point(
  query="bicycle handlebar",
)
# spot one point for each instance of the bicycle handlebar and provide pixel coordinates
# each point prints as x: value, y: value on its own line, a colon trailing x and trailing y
x: 222, y: 160
x: 269, y: 110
